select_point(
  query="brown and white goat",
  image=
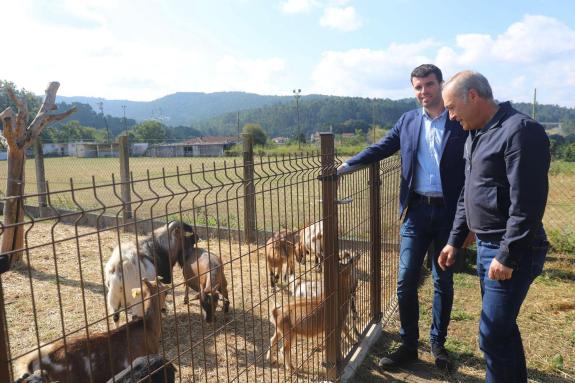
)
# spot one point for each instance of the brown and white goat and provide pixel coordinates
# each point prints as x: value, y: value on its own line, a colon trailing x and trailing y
x: 311, y: 242
x: 283, y: 247
x: 100, y: 356
x: 203, y: 272
x: 153, y: 255
x: 306, y: 317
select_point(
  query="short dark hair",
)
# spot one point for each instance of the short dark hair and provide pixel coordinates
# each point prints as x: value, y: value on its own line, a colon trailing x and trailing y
x: 425, y: 70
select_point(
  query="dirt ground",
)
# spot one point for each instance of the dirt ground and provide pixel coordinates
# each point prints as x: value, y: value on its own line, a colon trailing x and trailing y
x: 62, y: 293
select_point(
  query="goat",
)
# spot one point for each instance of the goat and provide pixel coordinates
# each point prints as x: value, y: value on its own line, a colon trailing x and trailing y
x: 98, y: 357
x: 311, y: 242
x: 154, y: 255
x: 283, y: 247
x: 37, y: 377
x: 306, y: 317
x: 203, y: 272
x: 153, y: 367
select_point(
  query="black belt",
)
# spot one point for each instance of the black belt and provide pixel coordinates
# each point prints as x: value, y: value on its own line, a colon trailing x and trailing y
x: 432, y: 201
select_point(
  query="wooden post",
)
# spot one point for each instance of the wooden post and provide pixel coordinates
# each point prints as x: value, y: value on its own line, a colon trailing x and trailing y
x: 375, y: 240
x: 40, y: 175
x: 332, y: 317
x: 249, y: 189
x: 4, y: 359
x: 125, y: 178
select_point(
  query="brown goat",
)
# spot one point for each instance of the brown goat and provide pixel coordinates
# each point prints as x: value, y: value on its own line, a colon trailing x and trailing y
x: 98, y: 357
x: 311, y: 242
x: 284, y: 247
x: 306, y: 317
x: 203, y: 272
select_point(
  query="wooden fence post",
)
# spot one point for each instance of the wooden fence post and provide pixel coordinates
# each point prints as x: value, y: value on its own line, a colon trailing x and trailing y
x: 40, y: 174
x: 331, y: 258
x: 4, y: 360
x: 249, y: 189
x: 125, y: 178
x: 375, y: 240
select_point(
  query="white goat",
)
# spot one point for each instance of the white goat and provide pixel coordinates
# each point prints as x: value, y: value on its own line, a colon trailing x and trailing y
x: 131, y: 262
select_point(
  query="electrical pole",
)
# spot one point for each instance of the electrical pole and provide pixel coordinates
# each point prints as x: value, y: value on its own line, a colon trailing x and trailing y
x: 101, y: 107
x: 125, y: 123
x: 297, y: 95
x: 238, y: 125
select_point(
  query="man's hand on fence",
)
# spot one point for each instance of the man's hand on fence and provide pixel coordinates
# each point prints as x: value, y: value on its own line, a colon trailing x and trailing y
x: 447, y: 257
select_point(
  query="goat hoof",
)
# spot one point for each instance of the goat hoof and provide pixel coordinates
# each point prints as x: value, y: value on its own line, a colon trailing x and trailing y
x: 186, y: 301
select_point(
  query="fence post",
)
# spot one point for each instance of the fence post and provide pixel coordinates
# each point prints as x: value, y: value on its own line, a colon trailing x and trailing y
x: 375, y: 240
x: 125, y: 178
x: 249, y: 189
x: 331, y: 259
x: 4, y: 359
x: 40, y: 175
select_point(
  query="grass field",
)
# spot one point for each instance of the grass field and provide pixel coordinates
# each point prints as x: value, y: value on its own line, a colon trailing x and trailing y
x: 202, y: 181
x: 546, y: 322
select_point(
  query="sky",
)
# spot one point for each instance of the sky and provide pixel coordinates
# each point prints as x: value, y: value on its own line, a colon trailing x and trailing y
x: 142, y: 50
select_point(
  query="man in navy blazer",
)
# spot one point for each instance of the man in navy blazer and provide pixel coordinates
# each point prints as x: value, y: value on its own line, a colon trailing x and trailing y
x: 432, y: 175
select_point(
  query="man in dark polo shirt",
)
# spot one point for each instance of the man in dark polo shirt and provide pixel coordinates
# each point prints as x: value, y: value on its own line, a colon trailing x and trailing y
x: 503, y: 201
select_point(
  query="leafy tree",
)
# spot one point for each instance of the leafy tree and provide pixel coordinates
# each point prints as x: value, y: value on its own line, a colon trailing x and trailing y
x: 73, y: 131
x: 567, y: 127
x: 150, y: 131
x: 258, y: 135
x: 375, y: 133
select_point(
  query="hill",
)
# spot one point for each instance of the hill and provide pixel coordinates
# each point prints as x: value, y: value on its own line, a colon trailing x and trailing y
x: 180, y: 108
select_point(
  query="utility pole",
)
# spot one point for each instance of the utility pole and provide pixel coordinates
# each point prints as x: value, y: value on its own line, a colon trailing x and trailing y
x: 125, y: 123
x: 297, y: 95
x: 238, y: 125
x: 373, y: 119
x: 101, y: 107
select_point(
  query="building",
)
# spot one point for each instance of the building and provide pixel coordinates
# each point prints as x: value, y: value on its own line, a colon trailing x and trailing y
x: 204, y: 146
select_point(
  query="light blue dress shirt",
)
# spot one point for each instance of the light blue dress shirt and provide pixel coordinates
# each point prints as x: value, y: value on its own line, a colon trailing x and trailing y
x: 427, y: 179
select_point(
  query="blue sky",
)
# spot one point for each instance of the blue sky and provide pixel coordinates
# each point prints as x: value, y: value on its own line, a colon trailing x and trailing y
x: 142, y: 50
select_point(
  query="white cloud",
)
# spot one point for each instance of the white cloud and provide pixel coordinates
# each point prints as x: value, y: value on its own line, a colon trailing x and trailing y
x: 298, y: 6
x: 370, y: 73
x: 345, y: 19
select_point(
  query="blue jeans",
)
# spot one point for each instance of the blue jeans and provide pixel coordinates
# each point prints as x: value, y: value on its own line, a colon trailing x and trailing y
x: 424, y: 225
x: 499, y: 336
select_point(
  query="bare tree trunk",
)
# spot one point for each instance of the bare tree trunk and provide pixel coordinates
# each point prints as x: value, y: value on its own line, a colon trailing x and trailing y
x: 17, y: 138
x: 13, y: 236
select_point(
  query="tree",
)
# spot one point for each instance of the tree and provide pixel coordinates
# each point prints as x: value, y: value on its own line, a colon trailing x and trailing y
x: 150, y: 131
x: 567, y: 127
x: 73, y: 131
x: 375, y: 133
x: 258, y: 135
x: 17, y: 135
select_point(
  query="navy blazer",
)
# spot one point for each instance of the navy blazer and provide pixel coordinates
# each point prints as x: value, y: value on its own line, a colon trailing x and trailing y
x: 404, y: 137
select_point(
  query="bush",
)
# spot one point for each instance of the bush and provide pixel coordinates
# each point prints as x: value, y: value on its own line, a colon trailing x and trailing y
x: 562, y: 241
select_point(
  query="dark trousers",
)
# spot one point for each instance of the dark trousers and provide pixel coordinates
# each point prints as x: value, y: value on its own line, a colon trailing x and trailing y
x: 423, y: 225
x: 499, y: 336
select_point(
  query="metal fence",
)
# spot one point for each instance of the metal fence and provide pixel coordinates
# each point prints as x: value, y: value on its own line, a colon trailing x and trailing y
x: 58, y: 294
